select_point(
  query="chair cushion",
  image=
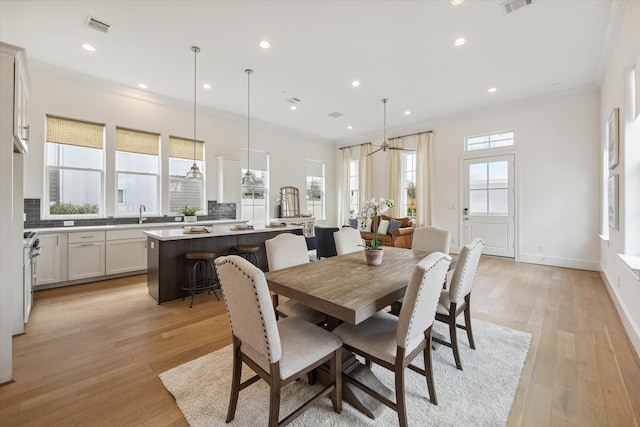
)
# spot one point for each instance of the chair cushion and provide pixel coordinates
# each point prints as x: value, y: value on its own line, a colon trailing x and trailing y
x: 292, y: 308
x: 302, y: 345
x: 444, y: 303
x: 375, y: 336
x: 394, y: 224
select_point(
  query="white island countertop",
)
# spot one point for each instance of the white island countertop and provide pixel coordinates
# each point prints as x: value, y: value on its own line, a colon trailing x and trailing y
x: 217, y: 230
x: 149, y: 225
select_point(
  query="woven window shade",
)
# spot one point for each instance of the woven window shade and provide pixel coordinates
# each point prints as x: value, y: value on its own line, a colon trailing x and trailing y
x: 135, y: 141
x: 183, y: 148
x: 75, y: 132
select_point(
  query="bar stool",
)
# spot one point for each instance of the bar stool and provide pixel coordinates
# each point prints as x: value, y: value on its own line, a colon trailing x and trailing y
x: 207, y: 282
x: 247, y: 252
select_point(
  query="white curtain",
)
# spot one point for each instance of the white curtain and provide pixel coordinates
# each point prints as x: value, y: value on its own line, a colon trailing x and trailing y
x: 343, y: 196
x: 423, y: 179
x: 394, y: 190
x: 365, y: 174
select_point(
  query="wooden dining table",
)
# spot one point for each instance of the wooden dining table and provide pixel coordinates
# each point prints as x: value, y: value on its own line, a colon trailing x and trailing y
x: 346, y: 289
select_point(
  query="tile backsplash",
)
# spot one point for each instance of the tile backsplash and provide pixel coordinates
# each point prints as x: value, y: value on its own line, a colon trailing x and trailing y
x: 32, y: 211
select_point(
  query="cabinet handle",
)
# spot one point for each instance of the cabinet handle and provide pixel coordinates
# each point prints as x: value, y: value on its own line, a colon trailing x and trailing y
x: 57, y: 240
x: 87, y: 244
x: 86, y: 237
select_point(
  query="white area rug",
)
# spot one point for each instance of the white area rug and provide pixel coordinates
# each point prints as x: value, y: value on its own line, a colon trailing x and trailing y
x: 480, y: 395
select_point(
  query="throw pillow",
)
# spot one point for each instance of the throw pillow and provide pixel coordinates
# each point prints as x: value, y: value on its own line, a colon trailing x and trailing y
x: 353, y: 223
x: 364, y: 226
x: 383, y: 226
x: 394, y: 224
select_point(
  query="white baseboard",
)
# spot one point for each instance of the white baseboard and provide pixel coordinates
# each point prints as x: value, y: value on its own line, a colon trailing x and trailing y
x: 632, y: 330
x: 579, y: 264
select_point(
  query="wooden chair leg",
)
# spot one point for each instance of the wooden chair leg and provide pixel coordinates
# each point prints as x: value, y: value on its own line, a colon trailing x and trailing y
x: 401, y: 406
x: 312, y: 377
x: 467, y: 321
x: 235, y: 382
x: 454, y: 339
x: 367, y: 363
x: 336, y: 373
x: 428, y: 370
x: 274, y: 400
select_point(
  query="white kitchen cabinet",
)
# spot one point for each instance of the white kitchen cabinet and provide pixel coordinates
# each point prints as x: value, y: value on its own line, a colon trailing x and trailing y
x: 49, y: 268
x: 126, y: 251
x: 229, y: 179
x: 86, y: 255
x: 21, y: 90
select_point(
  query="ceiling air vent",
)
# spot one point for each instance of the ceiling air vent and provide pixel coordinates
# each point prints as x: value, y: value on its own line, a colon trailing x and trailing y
x: 98, y: 25
x: 513, y: 5
x: 293, y: 100
x: 335, y: 114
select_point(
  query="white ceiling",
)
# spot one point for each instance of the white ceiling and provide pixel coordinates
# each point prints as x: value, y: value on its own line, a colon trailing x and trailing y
x: 401, y: 50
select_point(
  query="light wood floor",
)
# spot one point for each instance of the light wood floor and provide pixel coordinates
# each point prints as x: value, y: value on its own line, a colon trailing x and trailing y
x: 92, y: 353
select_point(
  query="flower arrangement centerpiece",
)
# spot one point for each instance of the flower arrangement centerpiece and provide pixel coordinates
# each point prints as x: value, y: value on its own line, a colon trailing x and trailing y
x: 371, y: 210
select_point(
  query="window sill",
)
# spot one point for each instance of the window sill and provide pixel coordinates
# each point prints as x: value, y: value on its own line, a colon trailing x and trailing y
x: 632, y: 262
x: 603, y: 237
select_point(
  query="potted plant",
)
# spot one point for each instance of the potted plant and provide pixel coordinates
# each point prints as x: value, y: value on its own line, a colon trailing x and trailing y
x: 372, y: 209
x: 189, y: 213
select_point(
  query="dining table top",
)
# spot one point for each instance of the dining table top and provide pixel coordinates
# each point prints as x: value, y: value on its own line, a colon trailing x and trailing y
x: 344, y: 287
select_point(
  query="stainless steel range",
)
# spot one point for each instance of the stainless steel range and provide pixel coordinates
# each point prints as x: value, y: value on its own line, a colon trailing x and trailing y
x: 31, y: 251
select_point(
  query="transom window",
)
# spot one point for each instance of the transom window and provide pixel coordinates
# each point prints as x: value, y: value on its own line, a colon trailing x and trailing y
x: 494, y: 140
x: 75, y: 167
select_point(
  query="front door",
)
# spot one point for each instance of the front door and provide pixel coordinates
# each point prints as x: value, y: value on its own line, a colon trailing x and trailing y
x: 488, y: 203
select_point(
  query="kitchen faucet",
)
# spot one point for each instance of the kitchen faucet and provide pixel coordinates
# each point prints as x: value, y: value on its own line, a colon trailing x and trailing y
x: 140, y: 219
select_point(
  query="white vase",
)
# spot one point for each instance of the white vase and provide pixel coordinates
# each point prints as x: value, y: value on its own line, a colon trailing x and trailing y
x: 192, y: 218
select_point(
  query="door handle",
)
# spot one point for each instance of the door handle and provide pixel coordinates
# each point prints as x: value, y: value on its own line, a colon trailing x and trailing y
x: 465, y: 214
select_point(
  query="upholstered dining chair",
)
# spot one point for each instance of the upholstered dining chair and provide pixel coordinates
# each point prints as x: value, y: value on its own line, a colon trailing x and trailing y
x: 279, y: 352
x: 348, y: 240
x: 431, y: 239
x: 457, y: 299
x: 394, y: 342
x: 286, y: 250
x: 325, y: 245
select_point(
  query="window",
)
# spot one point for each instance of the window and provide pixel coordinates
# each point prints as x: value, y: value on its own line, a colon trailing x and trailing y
x: 408, y: 201
x: 255, y: 195
x: 315, y: 188
x: 489, y: 189
x: 353, y: 188
x: 137, y: 171
x: 74, y: 161
x: 495, y: 140
x: 185, y: 192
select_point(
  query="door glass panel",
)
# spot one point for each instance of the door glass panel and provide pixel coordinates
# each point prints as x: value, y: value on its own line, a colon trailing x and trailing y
x: 478, y: 202
x: 499, y: 174
x: 477, y: 176
x: 499, y: 202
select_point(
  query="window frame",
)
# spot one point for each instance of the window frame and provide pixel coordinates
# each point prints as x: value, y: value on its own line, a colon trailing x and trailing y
x: 322, y: 202
x: 490, y: 141
x: 404, y: 202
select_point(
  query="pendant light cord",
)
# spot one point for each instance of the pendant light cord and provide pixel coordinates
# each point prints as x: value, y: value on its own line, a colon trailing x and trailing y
x: 195, y: 50
x: 384, y: 101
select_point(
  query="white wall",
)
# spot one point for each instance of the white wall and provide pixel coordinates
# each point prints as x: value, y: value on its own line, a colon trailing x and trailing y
x: 224, y: 134
x: 557, y: 156
x: 623, y: 287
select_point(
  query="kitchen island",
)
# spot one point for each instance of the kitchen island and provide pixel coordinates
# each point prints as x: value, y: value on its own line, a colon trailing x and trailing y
x: 166, y: 263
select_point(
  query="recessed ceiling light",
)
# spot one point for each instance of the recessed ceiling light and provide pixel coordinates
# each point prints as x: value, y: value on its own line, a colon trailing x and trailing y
x: 492, y: 89
x: 293, y: 107
x: 206, y: 86
x: 355, y: 83
x: 89, y: 47
x: 460, y: 41
x: 349, y: 127
x: 456, y: 2
x: 142, y: 86
x: 406, y: 113
x: 264, y: 44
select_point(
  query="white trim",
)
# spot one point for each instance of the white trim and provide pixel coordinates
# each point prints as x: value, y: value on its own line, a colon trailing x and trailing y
x: 632, y: 330
x: 632, y: 262
x: 579, y: 264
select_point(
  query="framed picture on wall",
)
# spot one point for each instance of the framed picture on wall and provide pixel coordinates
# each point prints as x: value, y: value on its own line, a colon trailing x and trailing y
x: 612, y: 138
x: 613, y: 201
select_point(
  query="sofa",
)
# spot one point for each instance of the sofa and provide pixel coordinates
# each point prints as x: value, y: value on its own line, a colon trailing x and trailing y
x: 400, y: 237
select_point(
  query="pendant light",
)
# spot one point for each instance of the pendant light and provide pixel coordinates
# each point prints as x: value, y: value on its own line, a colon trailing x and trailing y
x: 248, y: 175
x: 194, y: 172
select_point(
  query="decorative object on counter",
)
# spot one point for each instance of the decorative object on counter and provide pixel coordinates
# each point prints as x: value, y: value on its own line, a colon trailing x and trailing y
x: 248, y: 177
x: 289, y: 202
x: 195, y: 230
x: 194, y: 172
x: 242, y: 227
x: 189, y: 213
x: 276, y: 224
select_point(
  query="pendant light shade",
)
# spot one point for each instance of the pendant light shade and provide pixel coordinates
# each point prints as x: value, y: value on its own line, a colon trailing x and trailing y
x: 194, y: 172
x: 248, y: 177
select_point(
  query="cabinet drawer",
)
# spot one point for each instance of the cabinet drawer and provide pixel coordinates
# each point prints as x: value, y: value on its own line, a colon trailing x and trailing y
x: 136, y: 233
x: 86, y: 236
